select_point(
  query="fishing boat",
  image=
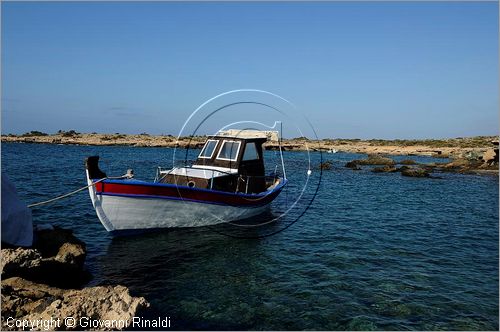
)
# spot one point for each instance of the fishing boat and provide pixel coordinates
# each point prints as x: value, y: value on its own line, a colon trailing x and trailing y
x: 227, y: 182
x: 332, y: 151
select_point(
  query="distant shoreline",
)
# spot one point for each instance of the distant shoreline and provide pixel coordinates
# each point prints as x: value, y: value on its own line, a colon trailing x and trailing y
x: 452, y: 148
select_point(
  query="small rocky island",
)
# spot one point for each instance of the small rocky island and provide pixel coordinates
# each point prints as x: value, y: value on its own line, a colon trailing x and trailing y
x: 45, y: 282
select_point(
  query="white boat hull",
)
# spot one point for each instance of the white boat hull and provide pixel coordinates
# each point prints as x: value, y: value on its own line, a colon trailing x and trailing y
x: 118, y: 213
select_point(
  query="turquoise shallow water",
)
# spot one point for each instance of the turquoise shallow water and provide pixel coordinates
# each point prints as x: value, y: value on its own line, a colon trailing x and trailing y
x: 373, y: 251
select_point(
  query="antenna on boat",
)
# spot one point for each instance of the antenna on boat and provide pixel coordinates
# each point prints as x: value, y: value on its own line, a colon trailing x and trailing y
x: 281, y: 152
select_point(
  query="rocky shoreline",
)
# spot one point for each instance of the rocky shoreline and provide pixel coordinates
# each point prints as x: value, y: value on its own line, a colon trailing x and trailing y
x: 454, y: 148
x: 484, y: 164
x: 43, y: 285
x: 477, y: 155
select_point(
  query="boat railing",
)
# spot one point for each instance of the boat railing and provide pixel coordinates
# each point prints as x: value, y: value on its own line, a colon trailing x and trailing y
x: 161, y: 172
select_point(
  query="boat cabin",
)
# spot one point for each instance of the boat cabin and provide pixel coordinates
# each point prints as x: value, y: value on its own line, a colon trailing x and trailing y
x: 230, y: 161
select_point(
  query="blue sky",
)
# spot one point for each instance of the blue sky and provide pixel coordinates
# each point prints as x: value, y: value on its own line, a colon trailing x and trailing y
x: 356, y: 70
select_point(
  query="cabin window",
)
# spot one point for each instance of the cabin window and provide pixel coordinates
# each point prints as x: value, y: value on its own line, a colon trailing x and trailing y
x: 229, y: 150
x: 250, y: 152
x: 208, y: 150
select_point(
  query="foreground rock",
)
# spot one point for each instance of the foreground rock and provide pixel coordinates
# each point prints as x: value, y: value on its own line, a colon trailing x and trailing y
x: 57, y: 259
x: 61, y: 243
x: 26, y: 300
x: 20, y: 259
x: 39, y: 283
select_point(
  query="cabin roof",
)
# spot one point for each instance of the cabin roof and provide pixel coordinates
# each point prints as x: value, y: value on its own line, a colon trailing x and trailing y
x: 238, y: 138
x: 248, y: 134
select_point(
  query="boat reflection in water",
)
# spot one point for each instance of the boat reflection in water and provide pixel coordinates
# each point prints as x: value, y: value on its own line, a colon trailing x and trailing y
x: 188, y: 272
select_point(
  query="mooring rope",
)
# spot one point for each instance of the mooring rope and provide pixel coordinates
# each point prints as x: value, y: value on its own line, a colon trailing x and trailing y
x: 75, y: 191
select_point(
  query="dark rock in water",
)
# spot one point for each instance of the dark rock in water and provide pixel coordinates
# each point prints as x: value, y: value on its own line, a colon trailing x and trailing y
x: 353, y: 165
x: 374, y: 159
x: 415, y: 172
x: 23, y: 299
x: 461, y: 165
x: 407, y: 162
x: 428, y: 168
x: 64, y: 271
x: 326, y: 165
x: 57, y: 259
x: 385, y: 169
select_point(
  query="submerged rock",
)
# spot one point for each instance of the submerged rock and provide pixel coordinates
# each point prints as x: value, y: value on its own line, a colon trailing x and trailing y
x: 23, y: 299
x: 415, y: 172
x: 373, y: 159
x: 385, y: 169
x: 353, y: 165
x: 326, y: 165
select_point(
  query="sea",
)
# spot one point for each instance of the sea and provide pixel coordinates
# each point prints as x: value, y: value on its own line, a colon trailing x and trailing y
x: 339, y: 249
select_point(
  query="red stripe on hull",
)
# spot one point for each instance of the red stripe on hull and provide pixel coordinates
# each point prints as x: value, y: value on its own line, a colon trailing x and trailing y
x: 183, y: 193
